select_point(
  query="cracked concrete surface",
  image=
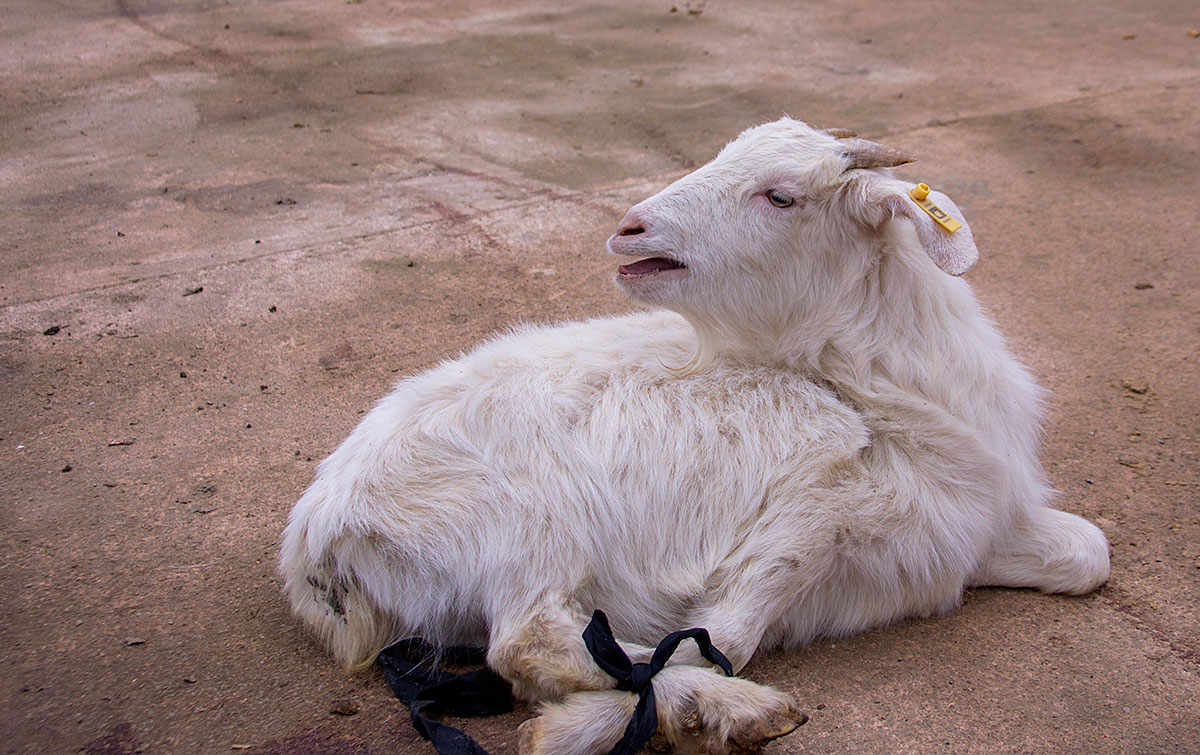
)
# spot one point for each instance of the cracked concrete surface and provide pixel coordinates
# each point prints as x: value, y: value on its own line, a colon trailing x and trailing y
x: 362, y: 189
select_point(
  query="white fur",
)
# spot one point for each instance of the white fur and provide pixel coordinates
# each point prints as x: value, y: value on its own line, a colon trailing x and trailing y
x: 824, y: 435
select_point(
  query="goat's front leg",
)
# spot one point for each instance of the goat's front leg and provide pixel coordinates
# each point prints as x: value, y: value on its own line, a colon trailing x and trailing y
x: 699, y: 710
x: 541, y: 652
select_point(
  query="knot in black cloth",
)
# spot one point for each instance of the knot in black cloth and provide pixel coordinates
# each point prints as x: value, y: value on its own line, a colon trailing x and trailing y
x: 637, y: 677
x: 412, y: 669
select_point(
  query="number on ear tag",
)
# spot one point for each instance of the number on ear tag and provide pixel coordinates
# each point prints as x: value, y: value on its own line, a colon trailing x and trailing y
x: 920, y: 195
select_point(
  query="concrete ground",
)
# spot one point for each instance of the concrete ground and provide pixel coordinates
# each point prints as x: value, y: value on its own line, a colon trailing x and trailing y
x: 229, y: 227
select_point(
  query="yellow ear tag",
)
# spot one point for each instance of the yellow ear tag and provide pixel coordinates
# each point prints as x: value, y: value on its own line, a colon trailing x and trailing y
x: 920, y: 195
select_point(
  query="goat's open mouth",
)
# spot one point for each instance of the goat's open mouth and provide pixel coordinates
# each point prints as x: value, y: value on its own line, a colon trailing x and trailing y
x: 650, y: 266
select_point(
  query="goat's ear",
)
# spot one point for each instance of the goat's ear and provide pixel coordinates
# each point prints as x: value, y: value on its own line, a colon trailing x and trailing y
x: 954, y: 252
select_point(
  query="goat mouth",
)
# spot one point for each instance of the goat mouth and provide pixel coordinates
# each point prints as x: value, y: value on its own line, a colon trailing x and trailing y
x: 650, y: 266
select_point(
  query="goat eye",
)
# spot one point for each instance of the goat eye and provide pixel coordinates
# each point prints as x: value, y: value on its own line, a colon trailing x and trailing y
x: 779, y: 199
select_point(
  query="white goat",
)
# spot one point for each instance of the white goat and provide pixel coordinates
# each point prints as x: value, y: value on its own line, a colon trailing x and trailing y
x: 824, y: 435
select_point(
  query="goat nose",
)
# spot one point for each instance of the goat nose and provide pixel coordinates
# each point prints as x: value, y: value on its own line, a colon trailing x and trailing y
x: 632, y: 224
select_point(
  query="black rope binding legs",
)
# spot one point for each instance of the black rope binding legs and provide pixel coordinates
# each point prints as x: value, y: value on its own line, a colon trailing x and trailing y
x: 431, y: 691
x: 636, y: 677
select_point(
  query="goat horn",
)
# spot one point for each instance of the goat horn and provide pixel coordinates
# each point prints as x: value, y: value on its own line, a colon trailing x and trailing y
x: 866, y: 154
x: 841, y: 133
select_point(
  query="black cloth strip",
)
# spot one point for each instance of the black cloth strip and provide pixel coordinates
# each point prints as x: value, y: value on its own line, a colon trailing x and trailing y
x: 636, y: 677
x: 431, y: 691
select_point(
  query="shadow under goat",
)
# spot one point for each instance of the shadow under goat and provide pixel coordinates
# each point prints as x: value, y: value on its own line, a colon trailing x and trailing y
x: 819, y: 433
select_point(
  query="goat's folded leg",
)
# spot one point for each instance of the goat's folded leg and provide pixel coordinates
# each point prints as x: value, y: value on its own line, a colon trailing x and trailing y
x: 1048, y: 549
x: 699, y: 710
x: 540, y: 651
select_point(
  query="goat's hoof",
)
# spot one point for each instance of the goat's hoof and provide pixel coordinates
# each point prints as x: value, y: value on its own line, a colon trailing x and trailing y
x: 742, y: 720
x: 529, y: 737
x: 752, y: 735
